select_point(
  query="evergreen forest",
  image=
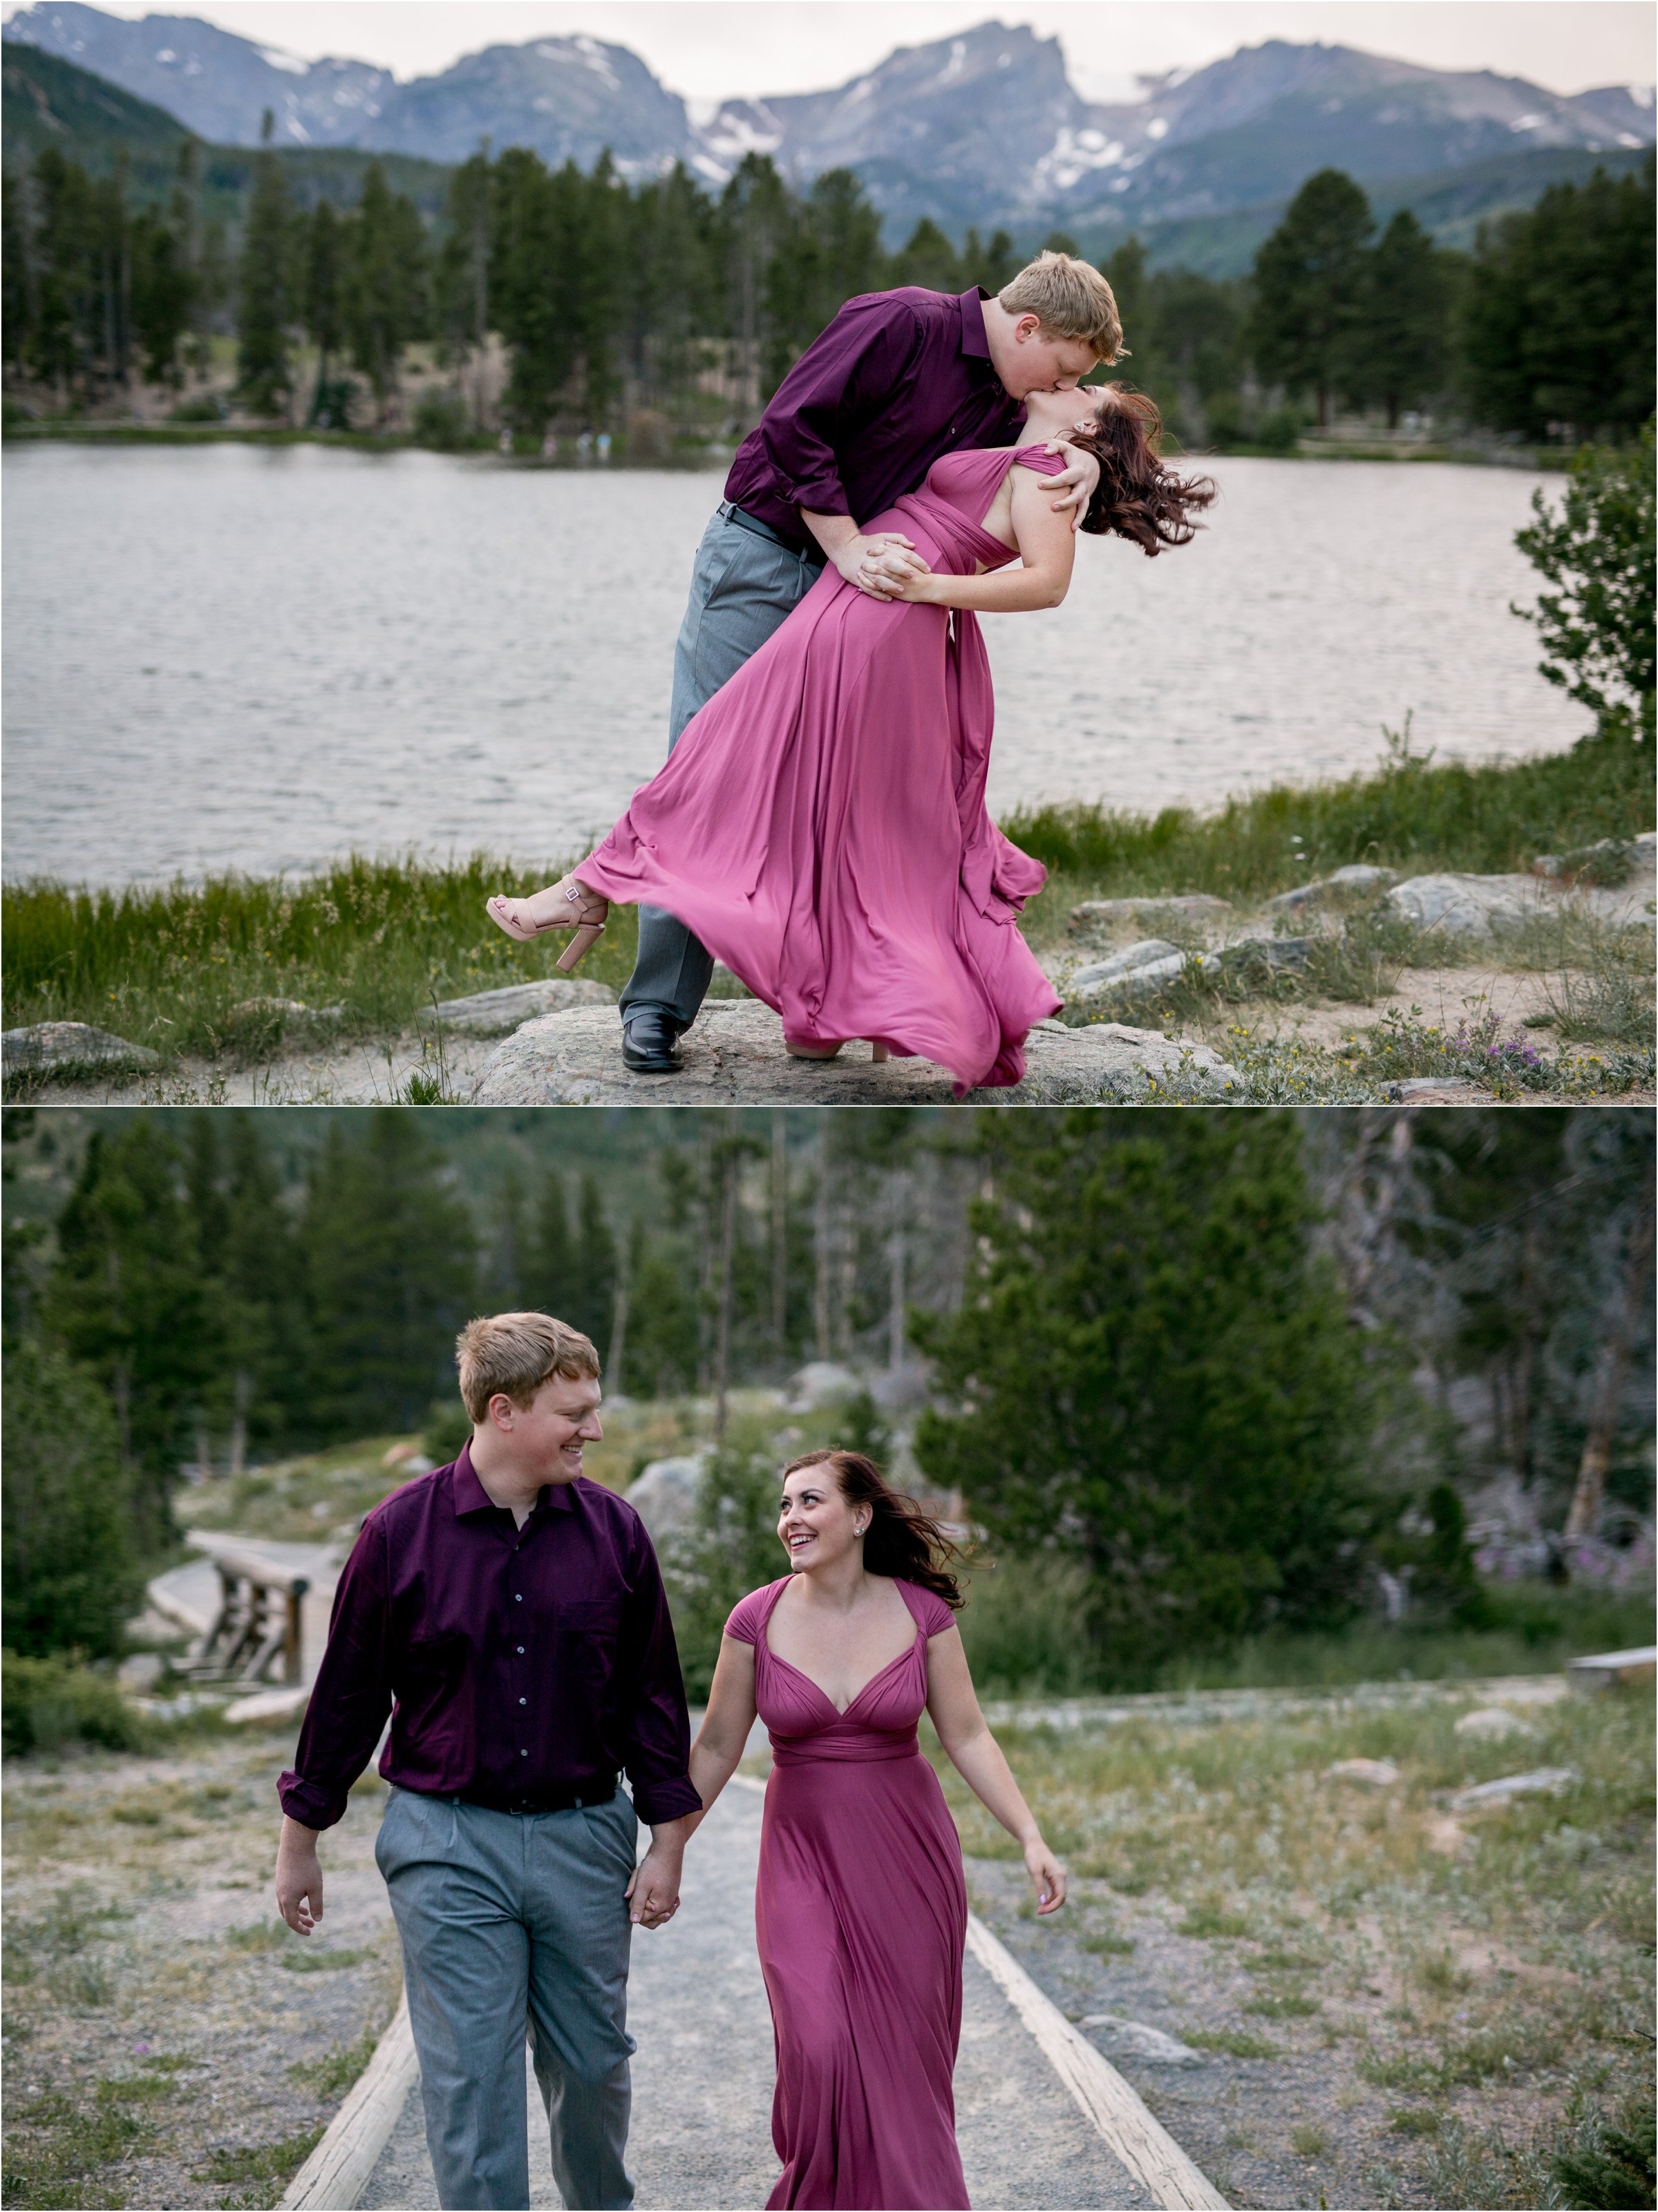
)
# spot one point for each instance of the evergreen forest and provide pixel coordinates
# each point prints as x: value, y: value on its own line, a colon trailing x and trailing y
x: 1242, y: 1371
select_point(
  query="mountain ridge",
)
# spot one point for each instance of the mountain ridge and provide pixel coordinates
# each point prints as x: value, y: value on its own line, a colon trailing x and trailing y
x: 985, y: 127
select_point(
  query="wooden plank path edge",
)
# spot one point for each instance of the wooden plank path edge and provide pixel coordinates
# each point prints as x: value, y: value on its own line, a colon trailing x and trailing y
x: 334, y: 2177
x: 1138, y: 2138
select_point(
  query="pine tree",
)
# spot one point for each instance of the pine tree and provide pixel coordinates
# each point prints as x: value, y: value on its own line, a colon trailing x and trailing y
x: 1310, y: 287
x: 928, y: 258
x: 1153, y: 1370
x: 1400, y: 352
x: 127, y: 1299
x: 593, y: 1291
x: 392, y: 1259
x: 265, y: 288
x: 387, y: 286
x: 323, y: 306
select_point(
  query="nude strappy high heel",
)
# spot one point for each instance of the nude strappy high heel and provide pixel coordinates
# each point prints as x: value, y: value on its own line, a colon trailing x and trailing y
x: 588, y: 921
x: 798, y: 1050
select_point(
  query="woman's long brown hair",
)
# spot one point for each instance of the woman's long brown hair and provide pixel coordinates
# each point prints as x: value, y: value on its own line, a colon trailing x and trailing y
x: 1138, y: 496
x: 900, y: 1539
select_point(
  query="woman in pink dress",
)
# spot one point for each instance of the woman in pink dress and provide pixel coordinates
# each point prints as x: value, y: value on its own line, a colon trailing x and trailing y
x: 860, y: 1908
x: 820, y: 825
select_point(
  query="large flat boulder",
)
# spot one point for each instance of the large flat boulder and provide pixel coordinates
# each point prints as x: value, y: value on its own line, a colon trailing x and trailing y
x: 494, y: 1013
x: 47, y: 1047
x: 1466, y: 906
x: 733, y: 1056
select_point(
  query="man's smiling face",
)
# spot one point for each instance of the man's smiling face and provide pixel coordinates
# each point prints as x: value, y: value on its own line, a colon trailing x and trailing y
x: 549, y: 1433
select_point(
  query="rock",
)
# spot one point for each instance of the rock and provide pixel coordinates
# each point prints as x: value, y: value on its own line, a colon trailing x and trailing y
x: 1490, y: 1724
x: 1150, y: 952
x: 1542, y: 1781
x: 821, y: 1383
x: 57, y: 1046
x: 1084, y: 987
x: 494, y: 1013
x: 142, y: 1671
x: 1465, y: 906
x: 1356, y: 876
x: 1286, y: 952
x: 1139, y: 2041
x: 1442, y: 1834
x: 733, y: 1055
x: 1194, y: 906
x: 1370, y: 1773
x: 1608, y: 1670
x: 1430, y: 1089
x: 665, y: 1494
x: 269, y: 1704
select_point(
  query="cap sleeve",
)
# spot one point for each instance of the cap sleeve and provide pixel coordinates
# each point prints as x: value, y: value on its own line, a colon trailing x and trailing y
x: 748, y: 1616
x: 930, y: 1612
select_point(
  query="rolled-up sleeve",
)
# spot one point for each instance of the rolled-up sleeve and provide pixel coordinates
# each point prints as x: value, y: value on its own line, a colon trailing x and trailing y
x: 655, y: 1726
x: 864, y: 354
x: 352, y: 1694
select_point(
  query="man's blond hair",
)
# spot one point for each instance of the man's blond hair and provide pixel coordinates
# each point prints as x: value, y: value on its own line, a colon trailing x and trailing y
x: 1070, y: 299
x: 517, y: 1353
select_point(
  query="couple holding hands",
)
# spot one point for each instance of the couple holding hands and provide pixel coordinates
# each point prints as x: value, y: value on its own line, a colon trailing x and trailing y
x: 820, y: 824
x: 507, y: 1613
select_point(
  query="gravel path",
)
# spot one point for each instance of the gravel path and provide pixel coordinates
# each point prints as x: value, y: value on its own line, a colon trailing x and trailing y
x: 703, y: 2081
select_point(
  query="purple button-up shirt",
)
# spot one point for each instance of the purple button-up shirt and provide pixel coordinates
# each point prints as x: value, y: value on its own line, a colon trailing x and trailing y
x: 514, y: 1661
x: 897, y: 379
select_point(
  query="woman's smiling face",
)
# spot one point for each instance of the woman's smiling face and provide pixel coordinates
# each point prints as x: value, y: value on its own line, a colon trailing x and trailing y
x: 815, y: 1523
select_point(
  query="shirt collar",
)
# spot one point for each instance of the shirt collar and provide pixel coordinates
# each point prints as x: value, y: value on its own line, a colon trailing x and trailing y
x: 973, y: 340
x: 471, y: 1496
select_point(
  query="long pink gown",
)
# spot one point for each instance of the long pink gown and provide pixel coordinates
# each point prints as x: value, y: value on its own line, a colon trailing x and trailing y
x: 820, y: 825
x: 861, y: 1915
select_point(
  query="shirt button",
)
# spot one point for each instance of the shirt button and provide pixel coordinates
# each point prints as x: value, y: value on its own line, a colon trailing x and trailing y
x: 524, y: 1701
x: 517, y: 1597
x: 524, y: 1754
x: 520, y: 1651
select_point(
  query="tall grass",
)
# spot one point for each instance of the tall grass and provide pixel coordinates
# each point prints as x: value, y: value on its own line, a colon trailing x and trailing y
x: 365, y: 947
x: 1410, y: 813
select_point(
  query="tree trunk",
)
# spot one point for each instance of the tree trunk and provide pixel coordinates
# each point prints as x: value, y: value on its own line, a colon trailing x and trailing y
x: 618, y: 1346
x: 898, y: 1256
x: 722, y: 1341
x: 823, y: 1257
x: 238, y: 1422
x: 780, y: 1236
x: 1621, y: 1322
x: 1323, y: 402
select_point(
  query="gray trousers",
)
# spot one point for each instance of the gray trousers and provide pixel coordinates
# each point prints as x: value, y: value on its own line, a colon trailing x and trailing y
x: 514, y: 1925
x: 743, y: 589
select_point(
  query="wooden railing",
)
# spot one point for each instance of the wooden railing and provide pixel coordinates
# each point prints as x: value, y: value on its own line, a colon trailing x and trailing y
x: 258, y: 1623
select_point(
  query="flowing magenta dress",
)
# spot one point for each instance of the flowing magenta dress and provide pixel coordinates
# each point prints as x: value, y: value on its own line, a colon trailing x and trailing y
x: 820, y: 825
x: 861, y: 1915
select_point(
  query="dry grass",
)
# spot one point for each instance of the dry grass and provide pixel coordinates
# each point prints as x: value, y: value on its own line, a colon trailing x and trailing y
x: 160, y: 2048
x: 1443, y: 2001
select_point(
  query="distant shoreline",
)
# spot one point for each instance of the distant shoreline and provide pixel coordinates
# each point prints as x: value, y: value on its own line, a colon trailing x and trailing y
x: 526, y: 454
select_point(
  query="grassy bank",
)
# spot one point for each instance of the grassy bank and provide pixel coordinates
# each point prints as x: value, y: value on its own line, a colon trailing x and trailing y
x: 236, y: 967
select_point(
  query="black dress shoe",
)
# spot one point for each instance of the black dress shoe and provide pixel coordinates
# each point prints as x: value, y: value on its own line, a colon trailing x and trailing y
x: 649, y: 1039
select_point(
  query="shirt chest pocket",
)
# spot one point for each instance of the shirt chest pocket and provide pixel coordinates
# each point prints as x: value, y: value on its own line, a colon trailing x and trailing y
x: 599, y: 1618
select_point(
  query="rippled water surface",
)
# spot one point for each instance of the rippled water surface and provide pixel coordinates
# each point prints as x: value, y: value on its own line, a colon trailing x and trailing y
x: 257, y: 658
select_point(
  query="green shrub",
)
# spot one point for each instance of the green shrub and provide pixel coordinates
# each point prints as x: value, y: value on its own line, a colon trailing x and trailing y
x: 200, y: 407
x: 440, y: 419
x: 48, y: 1704
x: 71, y: 1576
x: 1611, y: 2167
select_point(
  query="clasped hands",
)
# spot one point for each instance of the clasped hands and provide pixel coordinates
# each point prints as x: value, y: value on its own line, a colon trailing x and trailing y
x: 885, y: 565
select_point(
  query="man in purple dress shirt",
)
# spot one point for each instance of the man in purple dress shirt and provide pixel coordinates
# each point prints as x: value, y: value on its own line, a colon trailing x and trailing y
x: 897, y: 379
x: 508, y: 1615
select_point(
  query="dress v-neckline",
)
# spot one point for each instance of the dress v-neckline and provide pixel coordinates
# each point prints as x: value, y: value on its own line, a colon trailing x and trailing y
x: 840, y: 1711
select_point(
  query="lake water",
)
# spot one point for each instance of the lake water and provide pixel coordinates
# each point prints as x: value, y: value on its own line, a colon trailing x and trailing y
x: 233, y: 656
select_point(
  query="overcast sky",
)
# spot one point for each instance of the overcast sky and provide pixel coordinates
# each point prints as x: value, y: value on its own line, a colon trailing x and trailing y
x: 708, y: 48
